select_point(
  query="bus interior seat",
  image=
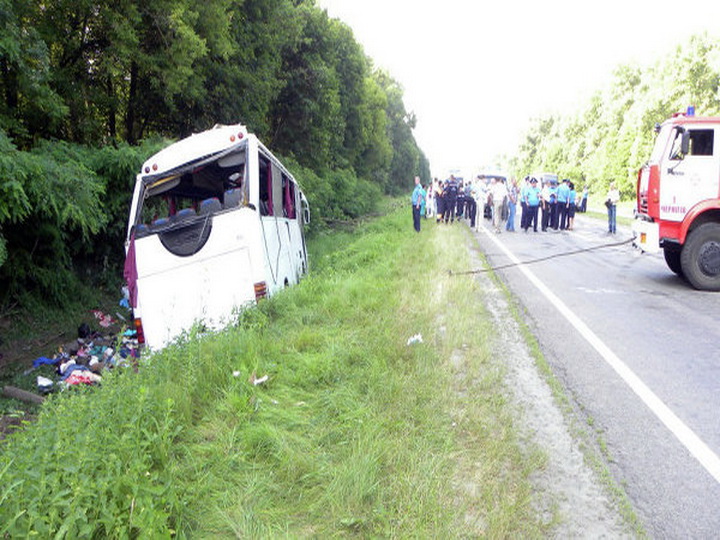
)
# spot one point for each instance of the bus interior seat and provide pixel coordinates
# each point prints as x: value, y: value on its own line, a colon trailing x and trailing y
x: 141, y: 229
x: 232, y: 198
x: 183, y: 214
x: 159, y: 223
x: 209, y: 206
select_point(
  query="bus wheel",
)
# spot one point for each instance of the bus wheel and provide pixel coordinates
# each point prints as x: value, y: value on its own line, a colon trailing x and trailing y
x: 700, y: 258
x: 672, y: 259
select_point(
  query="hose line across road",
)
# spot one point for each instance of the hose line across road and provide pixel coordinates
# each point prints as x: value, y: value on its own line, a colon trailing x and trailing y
x: 635, y: 347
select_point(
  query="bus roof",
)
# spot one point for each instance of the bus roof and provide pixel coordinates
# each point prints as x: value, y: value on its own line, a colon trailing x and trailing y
x: 194, y: 148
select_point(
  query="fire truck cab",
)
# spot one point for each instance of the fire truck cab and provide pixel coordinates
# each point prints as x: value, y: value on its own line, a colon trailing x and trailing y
x: 678, y: 199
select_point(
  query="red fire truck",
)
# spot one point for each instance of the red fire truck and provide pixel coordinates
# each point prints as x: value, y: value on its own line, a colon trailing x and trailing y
x: 678, y: 199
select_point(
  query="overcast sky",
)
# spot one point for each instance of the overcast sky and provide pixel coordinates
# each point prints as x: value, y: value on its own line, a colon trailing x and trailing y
x: 475, y: 72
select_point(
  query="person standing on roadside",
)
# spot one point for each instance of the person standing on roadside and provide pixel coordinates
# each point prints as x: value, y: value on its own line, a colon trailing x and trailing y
x: 430, y: 201
x: 553, y: 204
x: 471, y: 202
x: 523, y: 203
x: 460, y: 205
x: 532, y: 200
x: 417, y: 199
x: 512, y: 202
x: 562, y: 198
x: 439, y: 201
x: 545, y: 201
x: 583, y: 203
x: 613, y: 197
x: 572, y: 195
x: 498, y: 192
x: 450, y: 196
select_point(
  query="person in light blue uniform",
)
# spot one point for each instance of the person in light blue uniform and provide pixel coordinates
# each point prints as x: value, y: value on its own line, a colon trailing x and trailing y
x: 532, y: 200
x: 523, y: 204
x: 553, y: 204
x: 417, y: 199
x: 563, y: 192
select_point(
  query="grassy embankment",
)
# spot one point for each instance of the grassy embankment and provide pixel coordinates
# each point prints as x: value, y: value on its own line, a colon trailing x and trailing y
x: 354, y: 433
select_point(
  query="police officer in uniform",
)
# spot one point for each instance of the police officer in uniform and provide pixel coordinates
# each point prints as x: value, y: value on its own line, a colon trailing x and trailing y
x: 450, y: 195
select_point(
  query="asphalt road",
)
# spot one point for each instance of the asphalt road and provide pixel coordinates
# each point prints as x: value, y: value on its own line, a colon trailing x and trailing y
x: 637, y: 349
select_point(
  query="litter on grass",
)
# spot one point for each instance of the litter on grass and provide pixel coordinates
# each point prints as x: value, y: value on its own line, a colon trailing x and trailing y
x: 417, y: 338
x: 255, y: 381
x: 82, y: 361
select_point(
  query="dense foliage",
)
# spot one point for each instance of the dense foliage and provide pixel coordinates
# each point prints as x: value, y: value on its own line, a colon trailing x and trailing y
x: 83, y: 82
x: 612, y: 136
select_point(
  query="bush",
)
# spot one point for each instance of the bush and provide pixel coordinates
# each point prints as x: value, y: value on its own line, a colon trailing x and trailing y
x: 63, y: 208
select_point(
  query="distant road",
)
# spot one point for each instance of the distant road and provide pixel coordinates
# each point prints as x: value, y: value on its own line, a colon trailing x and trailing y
x: 638, y: 350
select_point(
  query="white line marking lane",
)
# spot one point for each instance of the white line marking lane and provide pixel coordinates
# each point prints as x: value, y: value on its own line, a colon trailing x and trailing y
x: 697, y: 448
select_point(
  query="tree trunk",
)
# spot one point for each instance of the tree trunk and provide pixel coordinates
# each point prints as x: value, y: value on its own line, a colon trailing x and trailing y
x: 111, y: 120
x: 130, y: 135
x: 22, y: 395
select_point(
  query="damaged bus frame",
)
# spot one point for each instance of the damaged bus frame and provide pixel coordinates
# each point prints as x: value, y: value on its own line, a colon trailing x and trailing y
x: 216, y: 223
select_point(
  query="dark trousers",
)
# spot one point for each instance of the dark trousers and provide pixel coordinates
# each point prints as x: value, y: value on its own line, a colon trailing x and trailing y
x: 553, y: 215
x: 545, y: 222
x: 471, y: 211
x: 532, y: 218
x: 562, y: 210
x: 450, y: 210
x: 523, y: 214
x: 416, y: 217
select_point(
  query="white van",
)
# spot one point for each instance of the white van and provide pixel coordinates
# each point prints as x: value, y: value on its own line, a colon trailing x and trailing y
x: 216, y: 223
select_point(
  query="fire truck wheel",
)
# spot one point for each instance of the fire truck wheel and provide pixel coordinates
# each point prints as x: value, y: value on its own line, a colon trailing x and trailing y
x: 672, y: 259
x: 700, y: 258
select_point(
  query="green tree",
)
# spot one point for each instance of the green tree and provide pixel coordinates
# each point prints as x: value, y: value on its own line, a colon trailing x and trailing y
x: 28, y: 102
x: 307, y: 119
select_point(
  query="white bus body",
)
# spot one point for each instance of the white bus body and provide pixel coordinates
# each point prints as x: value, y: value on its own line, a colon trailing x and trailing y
x: 216, y: 223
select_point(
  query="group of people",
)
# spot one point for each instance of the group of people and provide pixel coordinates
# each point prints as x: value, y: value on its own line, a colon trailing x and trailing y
x: 454, y: 199
x: 558, y: 204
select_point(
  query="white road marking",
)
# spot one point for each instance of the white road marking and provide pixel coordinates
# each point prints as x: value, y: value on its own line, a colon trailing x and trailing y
x: 687, y: 437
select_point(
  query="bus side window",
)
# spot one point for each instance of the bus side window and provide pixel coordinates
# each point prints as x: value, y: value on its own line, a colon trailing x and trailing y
x: 277, y: 191
x: 265, y: 181
x: 288, y: 197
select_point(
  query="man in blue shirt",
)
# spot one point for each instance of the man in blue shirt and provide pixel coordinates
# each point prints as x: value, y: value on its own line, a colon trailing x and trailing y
x: 417, y: 199
x: 563, y: 195
x: 532, y: 200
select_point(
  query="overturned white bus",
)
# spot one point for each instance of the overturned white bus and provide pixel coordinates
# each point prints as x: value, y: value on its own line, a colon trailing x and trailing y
x: 216, y: 223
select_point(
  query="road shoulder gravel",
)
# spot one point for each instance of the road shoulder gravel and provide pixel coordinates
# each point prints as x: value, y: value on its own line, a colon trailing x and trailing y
x: 567, y: 486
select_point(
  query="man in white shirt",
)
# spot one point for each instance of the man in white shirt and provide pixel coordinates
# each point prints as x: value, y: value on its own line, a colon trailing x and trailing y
x: 498, y: 192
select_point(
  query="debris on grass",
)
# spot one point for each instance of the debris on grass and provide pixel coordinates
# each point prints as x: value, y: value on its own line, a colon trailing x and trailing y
x: 417, y: 338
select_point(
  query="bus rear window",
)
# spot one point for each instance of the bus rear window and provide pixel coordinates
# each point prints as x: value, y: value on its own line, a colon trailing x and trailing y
x: 204, y: 190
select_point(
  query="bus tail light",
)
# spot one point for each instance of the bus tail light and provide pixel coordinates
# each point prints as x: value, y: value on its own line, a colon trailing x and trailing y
x: 139, y: 330
x: 260, y: 290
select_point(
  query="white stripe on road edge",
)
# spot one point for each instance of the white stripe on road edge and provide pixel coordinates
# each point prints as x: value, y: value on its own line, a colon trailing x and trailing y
x: 701, y: 451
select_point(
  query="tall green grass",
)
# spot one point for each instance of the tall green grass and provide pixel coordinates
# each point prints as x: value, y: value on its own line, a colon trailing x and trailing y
x: 355, y: 433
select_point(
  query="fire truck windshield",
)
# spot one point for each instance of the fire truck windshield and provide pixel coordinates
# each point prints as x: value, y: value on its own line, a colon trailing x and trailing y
x: 660, y: 144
